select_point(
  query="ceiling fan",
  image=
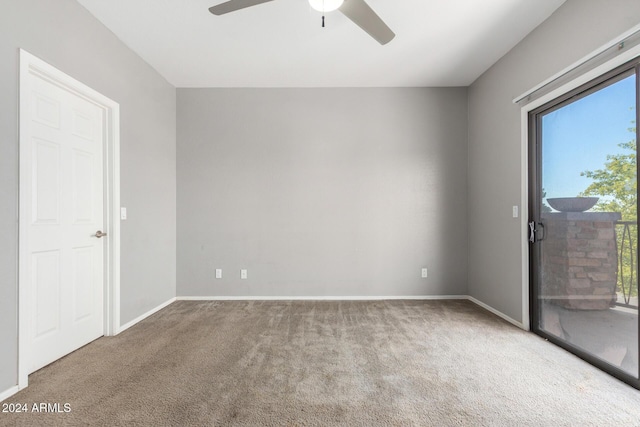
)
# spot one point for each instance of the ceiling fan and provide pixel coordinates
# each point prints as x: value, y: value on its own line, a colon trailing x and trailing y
x: 357, y: 11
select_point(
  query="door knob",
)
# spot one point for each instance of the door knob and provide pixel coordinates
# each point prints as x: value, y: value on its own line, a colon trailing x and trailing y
x: 100, y: 234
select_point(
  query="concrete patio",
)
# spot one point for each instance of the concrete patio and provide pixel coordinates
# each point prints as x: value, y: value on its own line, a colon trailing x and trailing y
x: 611, y: 335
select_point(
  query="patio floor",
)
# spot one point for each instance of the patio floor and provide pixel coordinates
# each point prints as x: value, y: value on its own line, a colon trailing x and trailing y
x: 611, y: 335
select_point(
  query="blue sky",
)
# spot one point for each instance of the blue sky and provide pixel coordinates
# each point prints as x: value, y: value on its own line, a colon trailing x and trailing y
x: 578, y: 137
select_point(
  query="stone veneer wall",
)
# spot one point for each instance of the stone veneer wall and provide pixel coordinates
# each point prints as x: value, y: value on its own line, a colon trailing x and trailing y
x: 579, y: 259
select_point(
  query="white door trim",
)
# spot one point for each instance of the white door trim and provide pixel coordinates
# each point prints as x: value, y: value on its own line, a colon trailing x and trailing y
x: 31, y: 65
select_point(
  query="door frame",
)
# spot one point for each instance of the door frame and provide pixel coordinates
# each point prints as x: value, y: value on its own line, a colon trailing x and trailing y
x: 31, y: 66
x: 628, y: 69
x: 525, y: 134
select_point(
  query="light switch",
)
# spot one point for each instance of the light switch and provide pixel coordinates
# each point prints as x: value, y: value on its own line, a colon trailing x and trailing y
x: 243, y: 274
x: 218, y: 273
x: 514, y: 212
x: 123, y: 213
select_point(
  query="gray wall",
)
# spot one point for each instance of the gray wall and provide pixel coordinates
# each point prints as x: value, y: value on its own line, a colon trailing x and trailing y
x: 322, y: 192
x: 64, y: 34
x: 573, y: 31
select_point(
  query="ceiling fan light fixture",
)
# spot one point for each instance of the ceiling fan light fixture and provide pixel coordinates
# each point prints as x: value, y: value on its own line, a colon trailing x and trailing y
x: 325, y: 5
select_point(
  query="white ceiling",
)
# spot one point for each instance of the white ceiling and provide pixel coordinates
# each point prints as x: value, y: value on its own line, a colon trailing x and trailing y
x: 282, y: 44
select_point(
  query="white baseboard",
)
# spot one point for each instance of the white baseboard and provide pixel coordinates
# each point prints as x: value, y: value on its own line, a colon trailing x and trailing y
x: 497, y: 313
x: 319, y: 298
x: 9, y: 392
x: 145, y: 315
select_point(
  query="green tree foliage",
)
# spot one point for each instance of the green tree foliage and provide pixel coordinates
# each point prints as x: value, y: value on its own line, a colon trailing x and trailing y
x: 617, y: 183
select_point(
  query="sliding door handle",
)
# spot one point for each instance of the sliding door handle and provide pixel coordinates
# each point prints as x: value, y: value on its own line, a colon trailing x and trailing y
x: 534, y: 227
x: 532, y: 232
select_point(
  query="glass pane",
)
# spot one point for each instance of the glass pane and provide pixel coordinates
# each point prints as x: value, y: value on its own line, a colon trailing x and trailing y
x: 588, y: 292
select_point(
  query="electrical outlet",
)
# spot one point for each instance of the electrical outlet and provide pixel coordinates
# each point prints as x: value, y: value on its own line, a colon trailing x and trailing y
x: 424, y: 272
x: 243, y: 274
x: 123, y: 213
x: 218, y: 273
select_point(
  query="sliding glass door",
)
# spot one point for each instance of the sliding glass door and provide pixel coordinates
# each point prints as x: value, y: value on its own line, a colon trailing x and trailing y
x: 583, y: 229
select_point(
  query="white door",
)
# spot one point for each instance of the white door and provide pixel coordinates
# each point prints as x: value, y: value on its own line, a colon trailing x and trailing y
x: 64, y: 205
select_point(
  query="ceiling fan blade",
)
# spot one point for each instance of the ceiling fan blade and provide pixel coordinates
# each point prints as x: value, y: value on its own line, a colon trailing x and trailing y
x: 233, y: 5
x: 364, y: 17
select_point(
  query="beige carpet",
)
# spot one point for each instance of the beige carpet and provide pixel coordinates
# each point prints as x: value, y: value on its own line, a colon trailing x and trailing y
x: 384, y: 363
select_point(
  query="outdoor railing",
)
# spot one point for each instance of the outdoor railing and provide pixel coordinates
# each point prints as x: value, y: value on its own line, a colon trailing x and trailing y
x: 627, y: 250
